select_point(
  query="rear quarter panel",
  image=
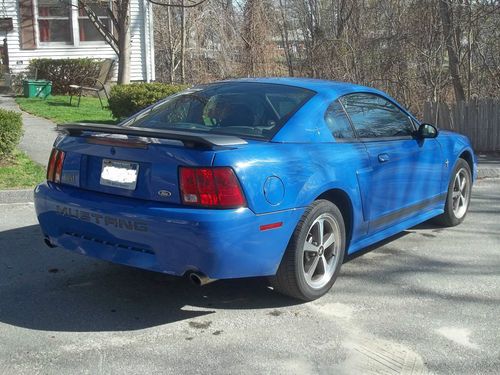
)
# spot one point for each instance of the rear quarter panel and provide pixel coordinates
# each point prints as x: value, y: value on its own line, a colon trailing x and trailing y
x: 306, y: 170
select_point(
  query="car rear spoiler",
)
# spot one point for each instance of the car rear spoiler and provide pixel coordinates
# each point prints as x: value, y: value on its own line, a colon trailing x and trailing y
x: 189, y: 139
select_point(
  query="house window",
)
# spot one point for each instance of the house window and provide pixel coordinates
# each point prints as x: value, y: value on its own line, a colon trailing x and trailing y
x: 61, y: 22
x: 54, y: 23
x: 87, y: 30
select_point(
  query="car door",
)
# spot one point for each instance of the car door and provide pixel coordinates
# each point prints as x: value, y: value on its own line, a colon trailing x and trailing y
x: 404, y: 177
x: 347, y: 158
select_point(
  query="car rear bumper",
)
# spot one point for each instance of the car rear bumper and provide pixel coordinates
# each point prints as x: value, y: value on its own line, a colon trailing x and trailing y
x: 163, y: 238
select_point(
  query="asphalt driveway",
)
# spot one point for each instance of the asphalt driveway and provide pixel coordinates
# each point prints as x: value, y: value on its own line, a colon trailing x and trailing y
x: 426, y: 301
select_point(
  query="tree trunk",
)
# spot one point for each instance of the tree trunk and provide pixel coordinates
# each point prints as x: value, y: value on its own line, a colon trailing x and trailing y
x: 285, y: 40
x: 171, y: 50
x: 183, y: 43
x: 453, y: 61
x: 124, y: 43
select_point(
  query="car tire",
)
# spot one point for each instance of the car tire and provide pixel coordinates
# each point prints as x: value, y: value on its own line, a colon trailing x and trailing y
x: 307, y: 248
x: 458, y: 197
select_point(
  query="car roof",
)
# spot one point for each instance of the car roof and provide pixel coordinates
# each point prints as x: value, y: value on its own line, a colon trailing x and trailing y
x: 318, y: 85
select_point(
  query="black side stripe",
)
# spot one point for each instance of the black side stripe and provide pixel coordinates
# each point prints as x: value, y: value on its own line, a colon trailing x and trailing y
x: 407, y: 211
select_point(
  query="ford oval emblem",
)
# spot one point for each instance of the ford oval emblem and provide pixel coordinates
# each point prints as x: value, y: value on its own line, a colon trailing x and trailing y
x: 164, y: 193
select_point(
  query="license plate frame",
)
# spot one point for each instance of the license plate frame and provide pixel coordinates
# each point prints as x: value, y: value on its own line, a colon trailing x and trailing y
x: 119, y: 174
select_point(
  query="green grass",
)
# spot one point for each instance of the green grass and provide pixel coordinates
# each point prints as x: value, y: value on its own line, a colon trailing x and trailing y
x: 19, y: 171
x: 58, y: 109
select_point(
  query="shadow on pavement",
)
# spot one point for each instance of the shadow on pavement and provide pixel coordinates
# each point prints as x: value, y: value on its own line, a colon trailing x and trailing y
x: 55, y: 290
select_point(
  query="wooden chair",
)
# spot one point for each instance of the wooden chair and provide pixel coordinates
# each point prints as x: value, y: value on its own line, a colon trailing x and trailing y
x: 94, y: 84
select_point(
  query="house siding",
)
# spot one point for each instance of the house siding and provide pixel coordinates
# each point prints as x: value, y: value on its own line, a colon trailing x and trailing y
x: 141, y: 58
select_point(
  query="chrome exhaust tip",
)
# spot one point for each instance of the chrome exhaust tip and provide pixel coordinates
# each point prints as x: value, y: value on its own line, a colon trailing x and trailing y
x: 47, y: 242
x: 199, y: 279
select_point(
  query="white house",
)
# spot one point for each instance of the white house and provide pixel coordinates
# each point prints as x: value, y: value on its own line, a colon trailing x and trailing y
x: 59, y: 29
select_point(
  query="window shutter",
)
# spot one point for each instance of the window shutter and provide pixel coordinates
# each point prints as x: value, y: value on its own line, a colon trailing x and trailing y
x: 27, y: 24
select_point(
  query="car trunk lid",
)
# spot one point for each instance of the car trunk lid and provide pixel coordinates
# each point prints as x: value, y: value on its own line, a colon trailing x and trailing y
x: 134, y: 162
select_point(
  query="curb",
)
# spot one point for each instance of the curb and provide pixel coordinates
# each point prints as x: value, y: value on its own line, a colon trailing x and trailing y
x: 16, y: 196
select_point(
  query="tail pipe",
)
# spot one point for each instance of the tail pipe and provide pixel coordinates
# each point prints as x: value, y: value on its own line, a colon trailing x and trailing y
x: 199, y: 279
x: 47, y: 242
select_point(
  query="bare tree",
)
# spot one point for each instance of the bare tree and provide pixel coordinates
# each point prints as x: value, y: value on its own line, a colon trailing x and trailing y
x: 452, y: 34
x: 168, y: 43
x: 118, y: 37
x: 284, y: 26
x: 417, y: 50
x: 257, y: 33
x: 119, y: 40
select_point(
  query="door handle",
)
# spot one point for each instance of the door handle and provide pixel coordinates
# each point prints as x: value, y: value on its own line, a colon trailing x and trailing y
x: 383, y: 158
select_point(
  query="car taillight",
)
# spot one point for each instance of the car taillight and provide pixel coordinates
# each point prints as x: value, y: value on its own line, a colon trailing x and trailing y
x: 215, y: 187
x: 54, y: 169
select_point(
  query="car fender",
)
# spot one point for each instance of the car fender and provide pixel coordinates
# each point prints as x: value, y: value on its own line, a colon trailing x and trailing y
x: 453, y: 145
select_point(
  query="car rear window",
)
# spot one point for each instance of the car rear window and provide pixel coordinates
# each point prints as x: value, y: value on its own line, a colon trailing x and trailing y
x: 244, y: 109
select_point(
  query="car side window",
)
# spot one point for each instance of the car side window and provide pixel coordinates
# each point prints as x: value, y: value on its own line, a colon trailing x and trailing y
x: 337, y: 121
x: 376, y: 117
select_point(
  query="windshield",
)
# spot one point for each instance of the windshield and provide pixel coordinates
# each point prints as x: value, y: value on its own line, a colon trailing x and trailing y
x: 233, y: 108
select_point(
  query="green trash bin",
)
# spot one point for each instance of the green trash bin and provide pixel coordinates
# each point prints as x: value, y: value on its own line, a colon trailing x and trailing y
x: 37, y: 88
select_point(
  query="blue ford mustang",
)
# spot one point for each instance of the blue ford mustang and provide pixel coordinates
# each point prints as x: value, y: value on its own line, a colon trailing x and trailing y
x: 252, y: 177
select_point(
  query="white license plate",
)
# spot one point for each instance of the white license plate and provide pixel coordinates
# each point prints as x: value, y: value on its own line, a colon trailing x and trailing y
x: 121, y: 174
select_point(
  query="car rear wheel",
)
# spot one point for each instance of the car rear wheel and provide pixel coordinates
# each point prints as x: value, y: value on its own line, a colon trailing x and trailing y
x: 314, y: 254
x: 458, y: 198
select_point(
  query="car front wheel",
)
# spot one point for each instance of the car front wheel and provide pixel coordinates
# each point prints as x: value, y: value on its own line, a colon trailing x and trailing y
x: 458, y: 198
x: 314, y: 255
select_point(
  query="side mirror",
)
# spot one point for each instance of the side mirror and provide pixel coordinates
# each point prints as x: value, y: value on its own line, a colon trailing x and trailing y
x: 426, y: 131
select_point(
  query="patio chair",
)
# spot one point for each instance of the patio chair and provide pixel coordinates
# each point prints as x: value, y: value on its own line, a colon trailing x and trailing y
x: 94, y: 84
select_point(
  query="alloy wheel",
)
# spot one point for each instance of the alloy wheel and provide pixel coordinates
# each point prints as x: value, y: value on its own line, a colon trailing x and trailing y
x: 320, y: 251
x: 460, y: 193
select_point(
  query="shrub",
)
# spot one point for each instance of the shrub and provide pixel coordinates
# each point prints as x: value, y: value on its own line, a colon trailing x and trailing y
x: 63, y: 72
x: 11, y: 130
x: 125, y: 100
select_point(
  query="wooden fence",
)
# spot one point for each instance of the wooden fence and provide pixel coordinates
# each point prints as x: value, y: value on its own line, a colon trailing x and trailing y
x: 479, y: 120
